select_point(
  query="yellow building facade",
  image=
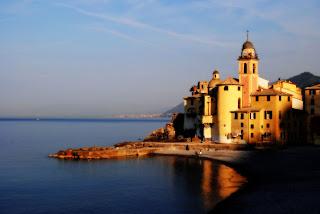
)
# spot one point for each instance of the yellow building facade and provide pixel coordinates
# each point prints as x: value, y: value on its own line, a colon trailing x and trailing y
x: 245, y: 109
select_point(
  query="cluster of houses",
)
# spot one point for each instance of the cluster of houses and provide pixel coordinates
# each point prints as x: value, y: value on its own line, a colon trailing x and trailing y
x: 248, y: 109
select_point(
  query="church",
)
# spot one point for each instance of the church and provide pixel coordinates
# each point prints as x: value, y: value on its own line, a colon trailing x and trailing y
x: 247, y: 109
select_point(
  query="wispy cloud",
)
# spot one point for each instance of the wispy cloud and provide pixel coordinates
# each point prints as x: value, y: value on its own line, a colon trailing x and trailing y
x: 118, y: 34
x: 291, y: 16
x: 141, y: 25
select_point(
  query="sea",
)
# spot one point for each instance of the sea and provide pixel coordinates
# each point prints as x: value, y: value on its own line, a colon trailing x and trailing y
x: 30, y: 182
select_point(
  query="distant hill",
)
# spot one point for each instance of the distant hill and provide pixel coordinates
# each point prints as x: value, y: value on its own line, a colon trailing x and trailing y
x: 302, y: 80
x: 177, y: 109
x: 305, y: 79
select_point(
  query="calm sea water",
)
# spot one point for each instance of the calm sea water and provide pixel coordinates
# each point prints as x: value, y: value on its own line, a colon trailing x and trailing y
x: 32, y: 183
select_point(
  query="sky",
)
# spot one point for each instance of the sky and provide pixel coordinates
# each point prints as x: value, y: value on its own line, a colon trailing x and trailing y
x: 95, y: 58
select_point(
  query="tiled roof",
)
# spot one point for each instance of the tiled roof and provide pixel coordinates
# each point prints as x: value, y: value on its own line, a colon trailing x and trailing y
x: 229, y: 81
x: 316, y: 86
x: 269, y: 92
x: 286, y: 81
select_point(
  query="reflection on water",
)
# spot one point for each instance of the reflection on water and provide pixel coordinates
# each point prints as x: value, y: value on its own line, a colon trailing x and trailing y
x: 228, y: 181
x: 210, y: 180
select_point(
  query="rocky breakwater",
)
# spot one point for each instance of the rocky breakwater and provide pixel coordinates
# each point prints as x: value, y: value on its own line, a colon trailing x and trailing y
x: 127, y: 149
x: 120, y: 150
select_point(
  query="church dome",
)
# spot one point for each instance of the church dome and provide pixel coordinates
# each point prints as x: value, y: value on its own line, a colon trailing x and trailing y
x: 215, y: 79
x: 248, y: 51
x: 215, y: 72
x: 247, y: 45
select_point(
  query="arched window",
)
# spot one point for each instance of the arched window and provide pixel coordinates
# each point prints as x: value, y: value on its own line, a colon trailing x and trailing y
x: 239, y: 103
x: 245, y: 68
x: 254, y: 68
x: 226, y: 88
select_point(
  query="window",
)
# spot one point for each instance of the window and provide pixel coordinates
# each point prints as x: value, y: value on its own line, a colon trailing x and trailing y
x: 280, y: 116
x: 236, y: 116
x: 281, y: 125
x: 312, y: 92
x: 254, y: 68
x: 239, y: 103
x: 252, y: 135
x: 268, y: 125
x: 191, y: 102
x: 268, y: 98
x: 245, y: 68
x: 288, y: 99
x: 241, y: 125
x: 267, y: 115
x: 241, y: 116
x: 226, y: 88
x: 257, y: 98
x: 239, y: 88
x: 252, y: 126
x: 312, y: 101
x: 241, y: 134
x: 279, y: 98
x: 253, y: 116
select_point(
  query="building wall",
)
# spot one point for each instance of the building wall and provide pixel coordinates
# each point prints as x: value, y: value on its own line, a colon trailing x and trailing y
x: 191, y: 109
x: 227, y: 102
x: 312, y: 109
x: 263, y: 83
x: 246, y: 127
x: 315, y: 95
x: 206, y: 118
x: 279, y: 109
x: 248, y: 79
x: 203, y: 87
x: 290, y: 88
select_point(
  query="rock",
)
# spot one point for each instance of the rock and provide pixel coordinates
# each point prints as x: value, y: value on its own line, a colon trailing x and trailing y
x: 170, y: 132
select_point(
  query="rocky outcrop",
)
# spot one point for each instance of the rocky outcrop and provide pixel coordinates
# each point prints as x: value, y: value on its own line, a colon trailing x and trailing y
x: 156, y: 135
x: 129, y: 149
x: 103, y: 152
x: 172, y: 131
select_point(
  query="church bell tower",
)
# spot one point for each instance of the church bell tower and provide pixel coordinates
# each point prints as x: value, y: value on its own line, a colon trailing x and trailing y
x: 248, y: 70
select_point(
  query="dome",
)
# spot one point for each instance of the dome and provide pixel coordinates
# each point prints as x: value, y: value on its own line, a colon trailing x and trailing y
x: 247, y: 45
x: 215, y: 79
x: 213, y: 83
x: 248, y: 51
x: 215, y: 72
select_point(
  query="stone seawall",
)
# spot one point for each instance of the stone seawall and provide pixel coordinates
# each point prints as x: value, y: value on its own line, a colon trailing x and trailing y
x: 129, y: 149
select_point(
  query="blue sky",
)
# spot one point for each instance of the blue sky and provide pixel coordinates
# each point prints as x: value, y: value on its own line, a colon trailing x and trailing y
x: 102, y: 57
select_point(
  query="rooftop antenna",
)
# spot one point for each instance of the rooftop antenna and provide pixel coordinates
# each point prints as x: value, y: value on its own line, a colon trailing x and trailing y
x: 247, y: 35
